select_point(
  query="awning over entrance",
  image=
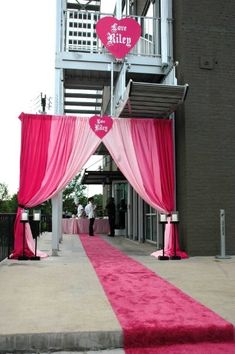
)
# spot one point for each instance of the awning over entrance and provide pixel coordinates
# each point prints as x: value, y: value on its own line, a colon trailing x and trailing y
x: 150, y: 100
x: 101, y: 177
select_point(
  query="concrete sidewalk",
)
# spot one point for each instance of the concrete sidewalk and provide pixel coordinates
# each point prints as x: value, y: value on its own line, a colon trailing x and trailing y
x: 58, y: 304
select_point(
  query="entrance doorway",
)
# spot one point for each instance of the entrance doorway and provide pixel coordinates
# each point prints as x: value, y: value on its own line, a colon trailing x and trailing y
x: 120, y: 192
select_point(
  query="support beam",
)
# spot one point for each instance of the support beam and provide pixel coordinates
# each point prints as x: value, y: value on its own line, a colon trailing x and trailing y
x: 164, y: 32
x: 56, y: 223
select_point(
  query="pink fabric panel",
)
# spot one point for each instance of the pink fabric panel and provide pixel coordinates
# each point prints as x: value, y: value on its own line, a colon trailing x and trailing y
x: 40, y: 167
x: 53, y: 151
x: 164, y: 140
x: 35, y: 135
x: 120, y: 145
x: 85, y: 143
x: 146, y: 148
x: 59, y: 150
x: 143, y: 151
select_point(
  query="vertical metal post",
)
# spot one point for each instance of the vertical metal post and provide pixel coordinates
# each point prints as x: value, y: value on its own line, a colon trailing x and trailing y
x: 111, y: 93
x: 57, y: 199
x: 222, y: 236
x: 119, y: 9
x: 164, y: 32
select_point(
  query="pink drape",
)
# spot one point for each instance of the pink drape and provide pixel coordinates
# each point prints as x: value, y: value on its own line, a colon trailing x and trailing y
x: 53, y: 151
x: 119, y: 142
x: 143, y: 151
x: 55, y: 148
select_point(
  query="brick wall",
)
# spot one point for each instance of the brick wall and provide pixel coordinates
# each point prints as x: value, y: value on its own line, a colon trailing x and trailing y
x: 204, y: 45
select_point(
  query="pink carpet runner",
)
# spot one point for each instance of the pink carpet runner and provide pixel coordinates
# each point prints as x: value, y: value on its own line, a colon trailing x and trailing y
x: 152, y: 312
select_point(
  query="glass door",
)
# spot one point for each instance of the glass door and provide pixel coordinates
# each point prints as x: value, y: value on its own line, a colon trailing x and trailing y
x: 151, y: 225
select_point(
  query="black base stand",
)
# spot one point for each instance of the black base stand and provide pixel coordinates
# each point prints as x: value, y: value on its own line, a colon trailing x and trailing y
x: 163, y: 257
x: 175, y: 257
x: 35, y: 257
x: 23, y: 258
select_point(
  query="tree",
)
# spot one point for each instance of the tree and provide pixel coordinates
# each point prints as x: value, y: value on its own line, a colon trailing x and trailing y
x: 12, y: 204
x: 4, y: 194
x: 4, y: 197
x: 73, y: 193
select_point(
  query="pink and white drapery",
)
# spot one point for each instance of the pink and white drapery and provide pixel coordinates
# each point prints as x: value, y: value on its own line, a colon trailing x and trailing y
x: 53, y: 151
x: 143, y: 150
x: 55, y: 148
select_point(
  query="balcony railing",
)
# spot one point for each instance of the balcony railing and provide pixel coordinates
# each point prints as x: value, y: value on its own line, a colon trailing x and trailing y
x: 80, y: 34
x: 6, y: 234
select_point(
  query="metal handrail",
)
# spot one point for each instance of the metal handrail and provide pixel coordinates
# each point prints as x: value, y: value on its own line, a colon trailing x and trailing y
x: 80, y: 34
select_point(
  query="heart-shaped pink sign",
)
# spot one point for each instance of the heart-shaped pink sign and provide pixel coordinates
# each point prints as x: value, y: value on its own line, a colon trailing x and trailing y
x: 101, y: 125
x: 118, y: 36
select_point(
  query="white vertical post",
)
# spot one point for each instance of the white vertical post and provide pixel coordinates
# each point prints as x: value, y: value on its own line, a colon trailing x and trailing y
x: 119, y: 9
x: 222, y: 235
x: 164, y: 31
x: 57, y: 199
x: 111, y: 89
x: 222, y: 232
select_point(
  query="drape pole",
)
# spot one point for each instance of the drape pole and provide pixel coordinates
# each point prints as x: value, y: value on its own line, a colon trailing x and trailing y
x: 118, y: 9
x: 111, y: 93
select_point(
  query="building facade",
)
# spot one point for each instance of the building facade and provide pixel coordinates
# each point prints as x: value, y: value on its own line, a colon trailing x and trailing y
x: 149, y: 83
x: 204, y: 33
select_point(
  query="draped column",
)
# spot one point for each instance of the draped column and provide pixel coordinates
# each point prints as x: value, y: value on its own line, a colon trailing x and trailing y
x: 53, y: 150
x: 143, y: 151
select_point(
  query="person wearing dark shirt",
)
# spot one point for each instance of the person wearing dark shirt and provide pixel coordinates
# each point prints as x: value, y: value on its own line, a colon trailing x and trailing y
x: 111, y: 210
x: 122, y: 214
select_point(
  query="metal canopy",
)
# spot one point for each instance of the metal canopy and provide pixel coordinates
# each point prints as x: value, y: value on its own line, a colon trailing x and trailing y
x: 150, y: 100
x: 102, y: 177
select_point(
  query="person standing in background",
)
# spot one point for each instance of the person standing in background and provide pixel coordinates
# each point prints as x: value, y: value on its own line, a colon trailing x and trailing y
x: 90, y: 212
x: 111, y: 210
x: 122, y: 214
x: 80, y: 210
